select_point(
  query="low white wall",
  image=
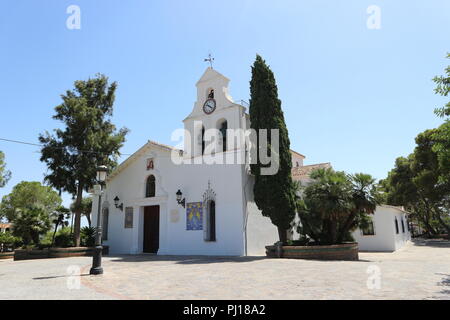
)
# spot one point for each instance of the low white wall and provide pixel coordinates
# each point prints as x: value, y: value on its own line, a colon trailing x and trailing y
x: 260, y: 232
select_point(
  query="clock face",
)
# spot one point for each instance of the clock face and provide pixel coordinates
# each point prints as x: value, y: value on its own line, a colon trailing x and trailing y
x: 209, y: 106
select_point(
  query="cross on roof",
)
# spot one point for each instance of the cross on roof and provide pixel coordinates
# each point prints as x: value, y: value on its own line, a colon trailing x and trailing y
x: 210, y: 59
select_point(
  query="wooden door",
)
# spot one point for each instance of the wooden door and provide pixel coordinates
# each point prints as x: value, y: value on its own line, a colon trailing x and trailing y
x: 151, y: 229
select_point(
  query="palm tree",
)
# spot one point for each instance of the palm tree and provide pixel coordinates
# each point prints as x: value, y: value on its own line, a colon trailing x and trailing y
x: 85, y: 208
x: 60, y: 214
x: 335, y: 204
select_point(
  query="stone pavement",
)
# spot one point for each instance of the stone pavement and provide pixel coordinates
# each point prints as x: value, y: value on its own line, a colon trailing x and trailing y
x: 420, y: 270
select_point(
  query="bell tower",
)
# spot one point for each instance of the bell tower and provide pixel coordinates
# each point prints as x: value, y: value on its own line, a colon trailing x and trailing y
x: 214, y: 110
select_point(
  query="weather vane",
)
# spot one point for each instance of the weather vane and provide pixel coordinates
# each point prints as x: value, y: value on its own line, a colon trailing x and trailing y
x: 210, y: 59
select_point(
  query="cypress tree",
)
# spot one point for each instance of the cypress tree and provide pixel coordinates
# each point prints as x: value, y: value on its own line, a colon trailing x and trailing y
x: 274, y: 194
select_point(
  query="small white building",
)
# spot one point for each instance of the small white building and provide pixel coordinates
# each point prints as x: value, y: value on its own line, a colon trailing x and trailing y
x: 389, y: 230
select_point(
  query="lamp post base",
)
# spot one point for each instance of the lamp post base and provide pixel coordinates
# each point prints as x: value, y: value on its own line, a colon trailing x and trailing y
x: 97, y: 261
x: 95, y: 271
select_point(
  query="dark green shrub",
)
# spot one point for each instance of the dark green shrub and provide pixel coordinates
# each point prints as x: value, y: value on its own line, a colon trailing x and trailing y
x: 88, y: 236
x: 63, y: 238
x: 8, y: 241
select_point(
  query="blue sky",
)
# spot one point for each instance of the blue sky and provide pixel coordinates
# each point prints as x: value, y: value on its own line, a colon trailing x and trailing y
x: 351, y: 96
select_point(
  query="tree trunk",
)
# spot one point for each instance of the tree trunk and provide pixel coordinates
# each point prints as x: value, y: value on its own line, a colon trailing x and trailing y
x: 88, y: 217
x: 424, y: 218
x: 54, y: 233
x: 76, y: 229
x: 333, y: 230
x: 427, y: 217
x: 346, y: 227
x: 71, y: 223
x: 282, y: 234
x: 441, y: 222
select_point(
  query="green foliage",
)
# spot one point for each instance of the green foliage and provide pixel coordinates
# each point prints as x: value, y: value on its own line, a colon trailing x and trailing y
x: 30, y: 223
x: 441, y: 136
x: 418, y: 183
x: 62, y: 239
x: 88, y: 236
x: 274, y: 194
x: 29, y: 207
x: 29, y: 194
x: 7, y: 240
x: 441, y: 147
x: 87, y: 139
x: 5, y: 175
x: 85, y: 207
x: 335, y: 204
x: 443, y: 88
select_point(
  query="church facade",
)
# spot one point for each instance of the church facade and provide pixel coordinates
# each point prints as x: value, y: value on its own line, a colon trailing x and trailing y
x: 191, y: 200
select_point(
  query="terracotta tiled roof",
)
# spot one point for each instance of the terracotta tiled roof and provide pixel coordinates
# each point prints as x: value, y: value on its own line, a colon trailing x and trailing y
x: 292, y: 151
x: 5, y: 225
x: 305, y: 171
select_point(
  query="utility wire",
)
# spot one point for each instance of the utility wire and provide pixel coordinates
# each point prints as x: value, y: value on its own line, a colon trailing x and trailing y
x: 41, y: 145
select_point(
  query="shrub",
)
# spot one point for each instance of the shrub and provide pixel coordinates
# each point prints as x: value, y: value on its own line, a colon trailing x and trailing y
x: 303, y: 241
x: 88, y: 236
x: 335, y: 204
x: 63, y: 239
x: 30, y: 224
x: 7, y: 240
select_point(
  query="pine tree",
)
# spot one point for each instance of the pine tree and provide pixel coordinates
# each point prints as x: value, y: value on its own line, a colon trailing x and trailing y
x: 274, y: 194
x: 89, y: 139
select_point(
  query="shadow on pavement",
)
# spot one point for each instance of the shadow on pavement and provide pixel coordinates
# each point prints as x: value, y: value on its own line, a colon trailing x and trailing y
x: 445, y: 283
x: 183, y: 259
x: 203, y: 259
x: 54, y: 277
x: 437, y: 243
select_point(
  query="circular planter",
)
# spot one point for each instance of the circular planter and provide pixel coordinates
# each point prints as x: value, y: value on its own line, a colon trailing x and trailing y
x: 345, y: 251
x: 69, y: 252
x: 26, y: 254
x: 7, y: 255
x: 74, y: 252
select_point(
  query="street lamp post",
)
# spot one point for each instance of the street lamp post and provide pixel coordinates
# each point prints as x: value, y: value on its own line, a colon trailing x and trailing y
x: 97, y: 255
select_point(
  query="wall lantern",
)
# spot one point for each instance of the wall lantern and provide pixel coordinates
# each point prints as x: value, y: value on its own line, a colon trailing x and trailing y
x: 116, y: 203
x: 179, y: 196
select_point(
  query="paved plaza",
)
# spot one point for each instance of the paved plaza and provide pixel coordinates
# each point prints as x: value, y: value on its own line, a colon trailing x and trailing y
x: 420, y: 270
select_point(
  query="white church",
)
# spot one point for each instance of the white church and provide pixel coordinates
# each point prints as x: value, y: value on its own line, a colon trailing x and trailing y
x: 152, y: 204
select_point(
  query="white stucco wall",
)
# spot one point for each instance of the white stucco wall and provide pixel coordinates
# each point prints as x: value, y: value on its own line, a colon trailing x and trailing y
x: 192, y: 180
x: 226, y: 180
x: 385, y: 238
x: 260, y: 232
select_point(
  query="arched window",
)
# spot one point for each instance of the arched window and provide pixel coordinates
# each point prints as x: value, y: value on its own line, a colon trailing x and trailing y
x: 150, y: 188
x: 396, y: 226
x: 403, y: 226
x: 105, y: 218
x: 210, y: 93
x: 223, y: 131
x: 203, y: 140
x: 211, y: 221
